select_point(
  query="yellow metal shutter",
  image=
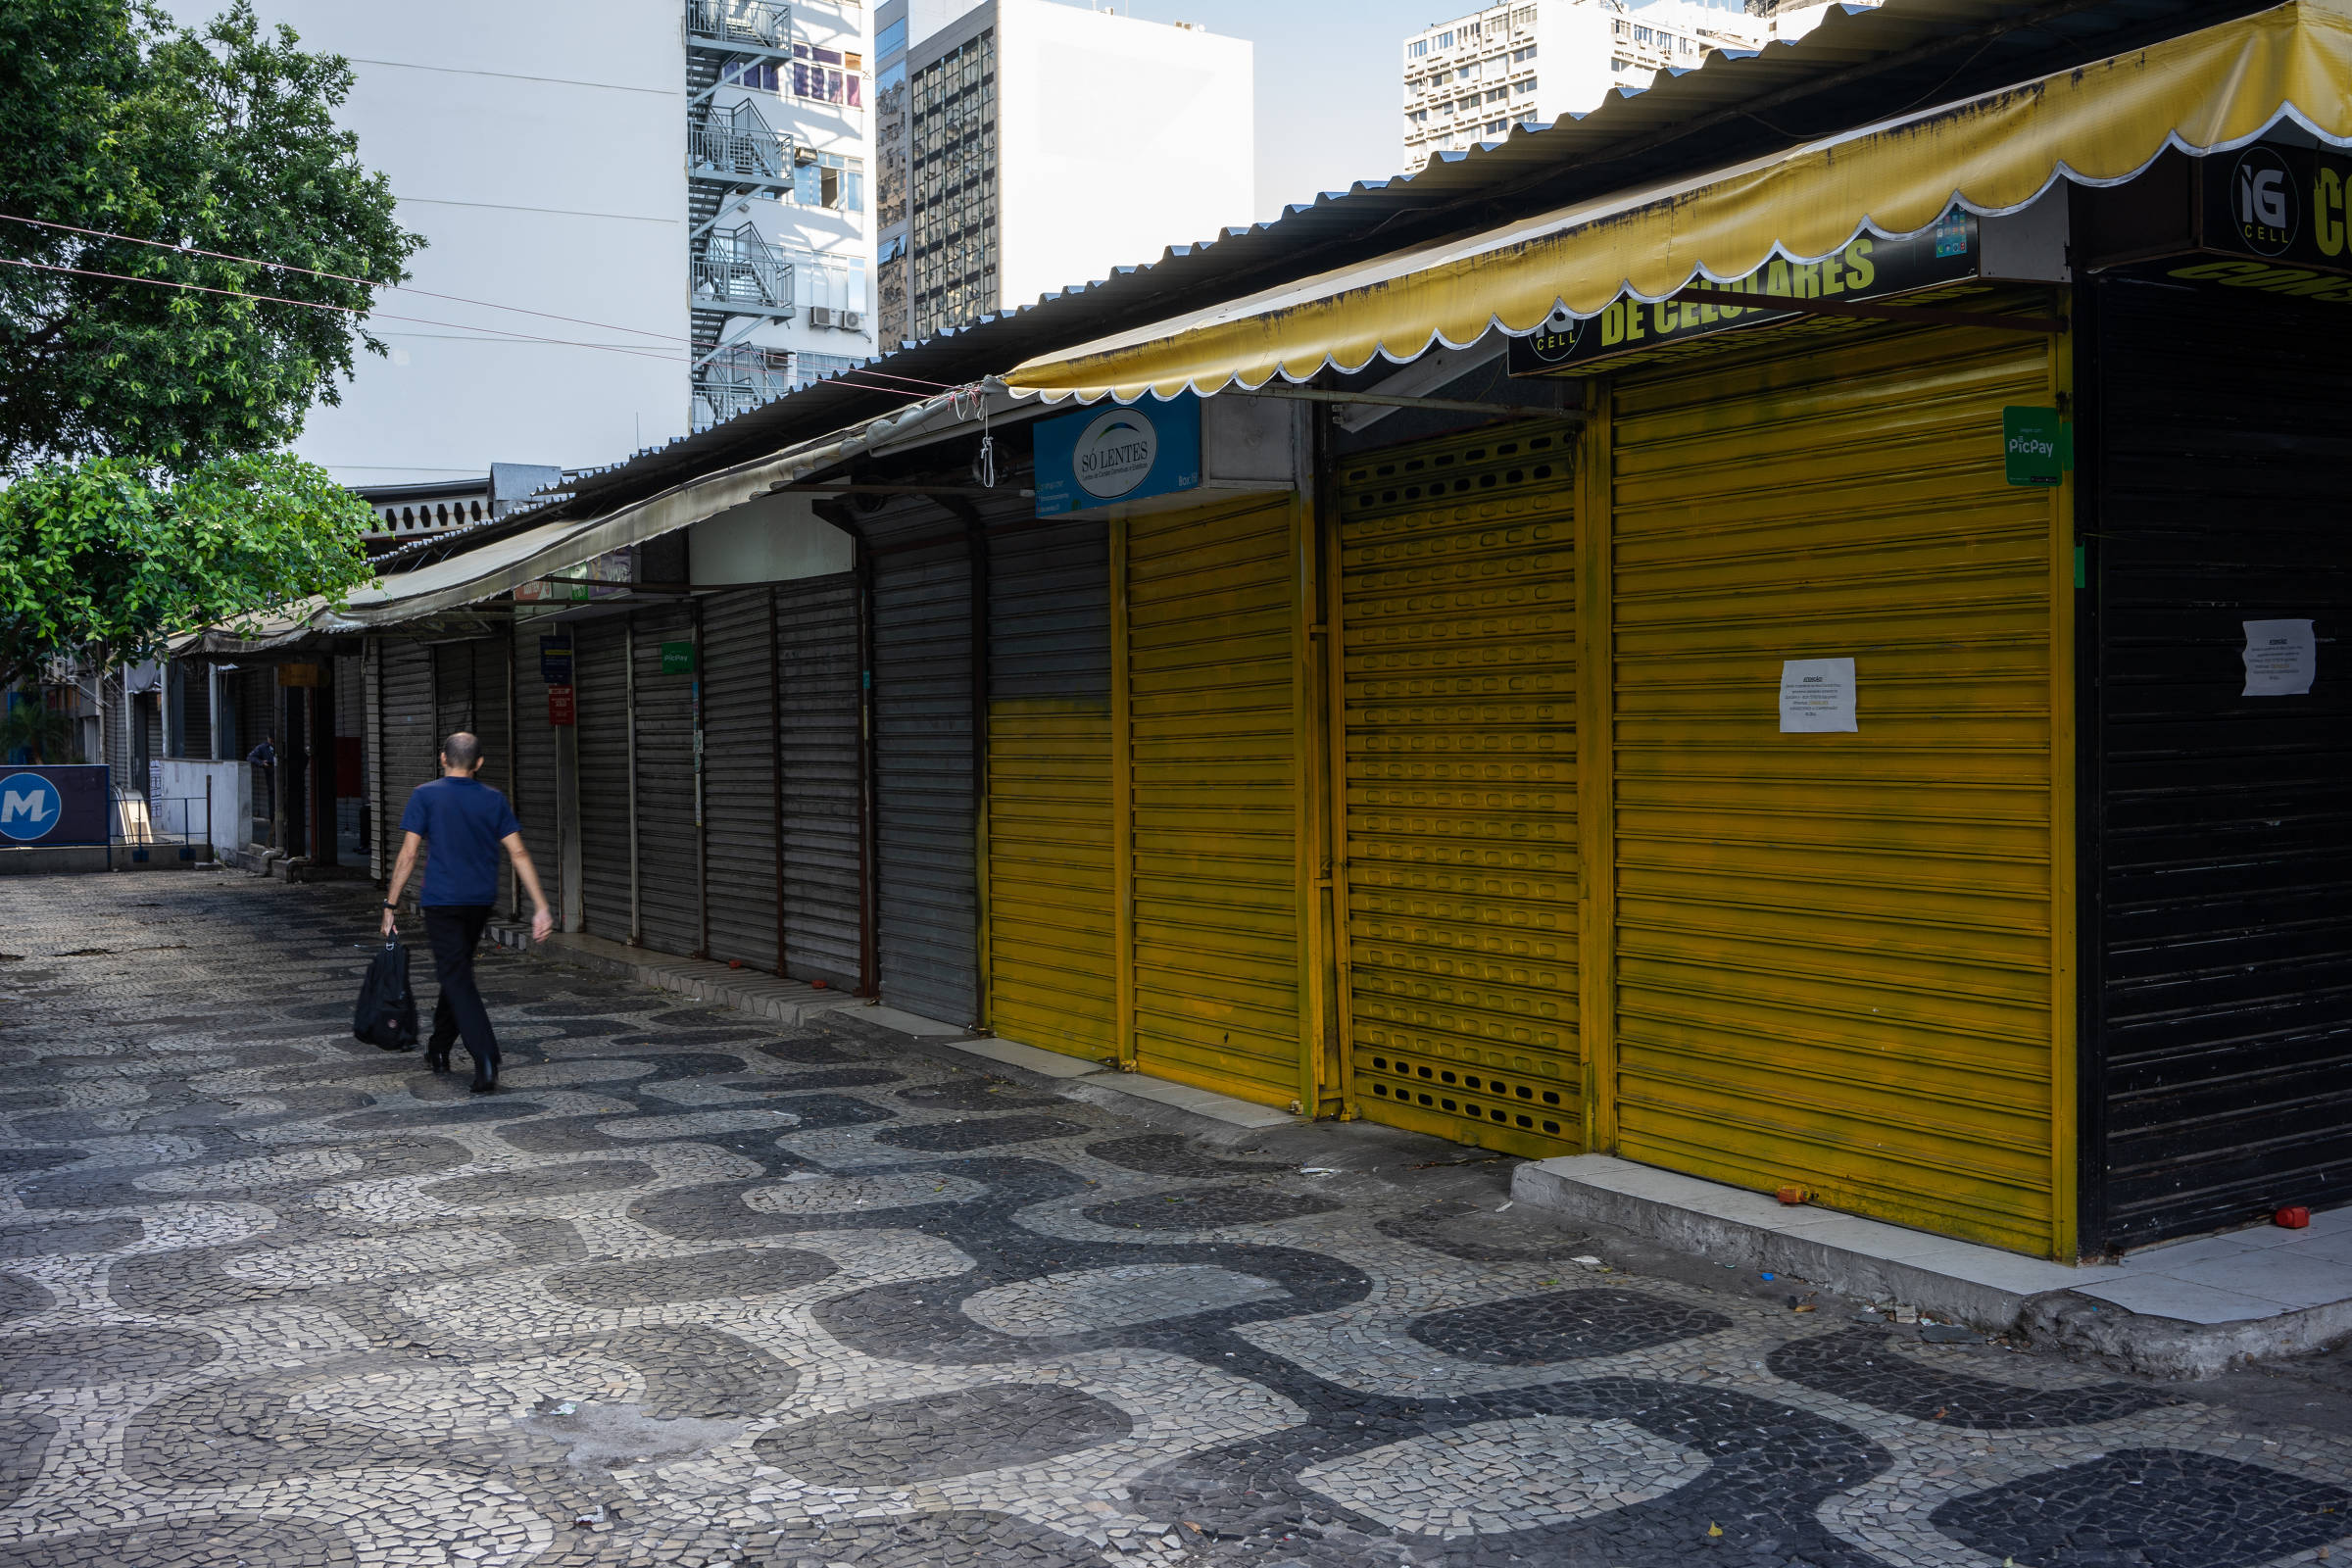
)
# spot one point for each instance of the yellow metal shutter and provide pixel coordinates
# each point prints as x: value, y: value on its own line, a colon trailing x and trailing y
x: 1833, y: 951
x: 1457, y: 563
x: 1048, y: 896
x: 1210, y: 685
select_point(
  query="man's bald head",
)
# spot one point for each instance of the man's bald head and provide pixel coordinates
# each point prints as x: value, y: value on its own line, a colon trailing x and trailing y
x: 462, y: 753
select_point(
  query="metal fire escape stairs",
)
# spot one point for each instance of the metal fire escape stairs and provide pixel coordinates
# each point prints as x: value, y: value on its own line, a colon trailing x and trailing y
x: 732, y: 154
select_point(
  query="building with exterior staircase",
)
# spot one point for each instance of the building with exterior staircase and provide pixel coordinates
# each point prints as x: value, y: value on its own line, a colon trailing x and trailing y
x: 779, y: 155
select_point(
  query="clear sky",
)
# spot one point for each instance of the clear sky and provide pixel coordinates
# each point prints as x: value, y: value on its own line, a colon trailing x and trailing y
x: 1330, y: 85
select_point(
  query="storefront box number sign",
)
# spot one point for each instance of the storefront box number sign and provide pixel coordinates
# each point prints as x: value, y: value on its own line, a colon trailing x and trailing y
x: 554, y: 660
x: 677, y: 658
x: 1106, y: 456
x: 560, y: 710
x: 2036, y: 445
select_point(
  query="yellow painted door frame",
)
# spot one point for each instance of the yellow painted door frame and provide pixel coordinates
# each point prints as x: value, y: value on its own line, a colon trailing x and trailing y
x: 2064, y: 1013
x: 1122, y: 805
x: 1312, y: 836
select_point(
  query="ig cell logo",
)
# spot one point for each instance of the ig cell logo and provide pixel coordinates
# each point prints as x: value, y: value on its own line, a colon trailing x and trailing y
x: 2263, y: 201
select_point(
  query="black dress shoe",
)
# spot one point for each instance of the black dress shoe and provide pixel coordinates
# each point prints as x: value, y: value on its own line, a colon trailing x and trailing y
x: 485, y: 1076
x: 437, y: 1058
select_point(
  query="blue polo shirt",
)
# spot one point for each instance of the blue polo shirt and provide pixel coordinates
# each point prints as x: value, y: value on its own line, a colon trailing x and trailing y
x: 463, y: 820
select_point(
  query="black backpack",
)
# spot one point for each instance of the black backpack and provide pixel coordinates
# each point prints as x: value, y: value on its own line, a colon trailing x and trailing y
x: 386, y: 1014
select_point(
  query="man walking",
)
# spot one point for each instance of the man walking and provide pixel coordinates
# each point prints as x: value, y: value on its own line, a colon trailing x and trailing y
x: 466, y: 822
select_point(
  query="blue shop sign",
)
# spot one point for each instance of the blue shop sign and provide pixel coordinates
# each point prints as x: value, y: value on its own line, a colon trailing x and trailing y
x: 1110, y: 455
x: 54, y: 805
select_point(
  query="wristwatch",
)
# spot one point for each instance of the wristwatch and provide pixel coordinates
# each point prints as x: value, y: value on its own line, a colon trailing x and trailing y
x: 389, y: 905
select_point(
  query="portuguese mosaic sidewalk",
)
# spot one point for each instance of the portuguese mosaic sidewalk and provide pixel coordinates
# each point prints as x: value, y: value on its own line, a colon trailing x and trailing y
x: 702, y: 1288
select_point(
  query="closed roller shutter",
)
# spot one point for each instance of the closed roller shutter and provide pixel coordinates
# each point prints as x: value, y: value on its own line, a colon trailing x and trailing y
x: 1210, y: 673
x: 535, y: 800
x: 488, y: 656
x: 821, y: 664
x: 670, y: 896
x: 1457, y: 563
x: 2225, y: 998
x: 1833, y: 950
x: 196, y: 706
x: 453, y: 688
x: 739, y: 776
x: 926, y: 889
x: 411, y: 748
x: 1049, y: 787
x: 602, y: 676
x: 372, y: 674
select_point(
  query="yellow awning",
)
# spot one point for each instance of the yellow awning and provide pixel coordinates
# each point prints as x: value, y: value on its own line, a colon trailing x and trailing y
x: 2098, y: 124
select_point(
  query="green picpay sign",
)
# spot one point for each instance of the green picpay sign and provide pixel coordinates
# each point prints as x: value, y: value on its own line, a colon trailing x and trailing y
x: 677, y: 658
x: 2037, y: 444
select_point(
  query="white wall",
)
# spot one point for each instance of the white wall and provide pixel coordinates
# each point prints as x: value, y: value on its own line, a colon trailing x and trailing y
x: 1117, y: 138
x: 542, y: 153
x: 772, y: 539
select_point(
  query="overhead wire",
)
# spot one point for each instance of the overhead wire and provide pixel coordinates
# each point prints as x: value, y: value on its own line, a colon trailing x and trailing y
x: 507, y: 334
x: 340, y: 277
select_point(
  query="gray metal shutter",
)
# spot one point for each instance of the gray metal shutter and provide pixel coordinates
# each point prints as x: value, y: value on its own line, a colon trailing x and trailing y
x: 534, y: 794
x: 196, y: 708
x: 2217, y: 894
x: 410, y: 745
x: 668, y: 848
x: 601, y: 673
x: 818, y: 655
x: 452, y: 689
x: 925, y: 889
x: 371, y: 665
x: 739, y: 776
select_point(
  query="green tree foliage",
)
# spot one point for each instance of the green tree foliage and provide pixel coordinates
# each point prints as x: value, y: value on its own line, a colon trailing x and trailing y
x: 34, y: 727
x: 113, y: 120
x: 99, y: 559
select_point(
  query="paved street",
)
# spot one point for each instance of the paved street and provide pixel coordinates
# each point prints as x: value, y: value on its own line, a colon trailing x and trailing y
x: 693, y: 1291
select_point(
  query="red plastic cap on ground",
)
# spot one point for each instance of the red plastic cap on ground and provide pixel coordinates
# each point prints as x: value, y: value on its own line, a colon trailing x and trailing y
x: 1793, y: 1196
x: 2293, y: 1219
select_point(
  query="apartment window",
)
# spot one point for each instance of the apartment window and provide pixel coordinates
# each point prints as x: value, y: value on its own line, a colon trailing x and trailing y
x: 1640, y: 36
x: 953, y: 244
x: 831, y: 181
x: 1498, y: 95
x: 1528, y: 85
x: 759, y: 74
x: 1520, y: 57
x: 1420, y: 48
x: 1620, y: 63
x: 1523, y: 19
x: 818, y: 74
x: 1621, y: 28
x: 1444, y: 41
x: 1496, y: 128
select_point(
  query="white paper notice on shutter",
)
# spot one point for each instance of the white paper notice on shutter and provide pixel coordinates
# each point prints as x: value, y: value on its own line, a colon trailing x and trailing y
x: 1817, y: 696
x: 2281, y: 658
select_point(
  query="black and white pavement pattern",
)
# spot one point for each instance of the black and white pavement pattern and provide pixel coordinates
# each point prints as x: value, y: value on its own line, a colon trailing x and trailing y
x: 692, y: 1289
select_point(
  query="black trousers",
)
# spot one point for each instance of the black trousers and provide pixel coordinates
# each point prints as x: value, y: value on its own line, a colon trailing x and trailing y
x: 452, y: 930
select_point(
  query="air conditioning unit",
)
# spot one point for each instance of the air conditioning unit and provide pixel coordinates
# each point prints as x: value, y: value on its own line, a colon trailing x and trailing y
x: 822, y: 316
x: 852, y: 320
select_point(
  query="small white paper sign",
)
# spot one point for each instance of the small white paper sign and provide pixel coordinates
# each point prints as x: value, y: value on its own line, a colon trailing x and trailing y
x: 1817, y: 696
x: 2281, y: 658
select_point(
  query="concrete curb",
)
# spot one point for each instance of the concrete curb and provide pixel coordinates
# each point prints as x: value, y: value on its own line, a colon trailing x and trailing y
x: 1999, y: 1293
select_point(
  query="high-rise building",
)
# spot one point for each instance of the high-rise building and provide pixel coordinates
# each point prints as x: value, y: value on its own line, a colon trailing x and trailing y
x: 1529, y: 62
x: 1038, y: 146
x: 779, y: 167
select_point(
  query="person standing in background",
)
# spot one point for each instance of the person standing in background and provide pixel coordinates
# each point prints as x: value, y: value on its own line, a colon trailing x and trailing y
x: 465, y: 823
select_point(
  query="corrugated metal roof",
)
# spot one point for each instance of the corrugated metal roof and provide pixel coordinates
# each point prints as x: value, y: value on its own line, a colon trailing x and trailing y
x: 1859, y: 65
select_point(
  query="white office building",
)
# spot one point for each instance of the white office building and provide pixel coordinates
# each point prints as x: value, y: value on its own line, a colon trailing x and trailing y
x: 1040, y: 146
x: 1531, y: 62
